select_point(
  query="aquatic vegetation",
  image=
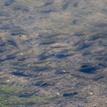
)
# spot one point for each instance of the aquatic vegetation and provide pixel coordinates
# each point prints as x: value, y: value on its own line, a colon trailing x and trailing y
x: 53, y: 53
x: 3, y: 102
x: 32, y: 100
x: 40, y: 99
x: 8, y: 90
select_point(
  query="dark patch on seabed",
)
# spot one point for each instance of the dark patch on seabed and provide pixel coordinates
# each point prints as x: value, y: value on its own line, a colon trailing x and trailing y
x: 53, y: 53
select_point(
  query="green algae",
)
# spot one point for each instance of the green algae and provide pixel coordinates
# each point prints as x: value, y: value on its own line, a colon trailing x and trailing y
x: 9, y: 89
x: 14, y: 100
x: 40, y: 99
x: 9, y: 97
x: 3, y: 102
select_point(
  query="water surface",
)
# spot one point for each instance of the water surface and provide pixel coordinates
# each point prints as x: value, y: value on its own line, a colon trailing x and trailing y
x: 53, y: 53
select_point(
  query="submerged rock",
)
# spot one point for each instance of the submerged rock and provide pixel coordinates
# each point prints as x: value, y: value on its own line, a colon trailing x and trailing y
x: 88, y: 69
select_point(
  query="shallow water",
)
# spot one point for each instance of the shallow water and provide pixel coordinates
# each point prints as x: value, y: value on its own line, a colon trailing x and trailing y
x: 53, y: 53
